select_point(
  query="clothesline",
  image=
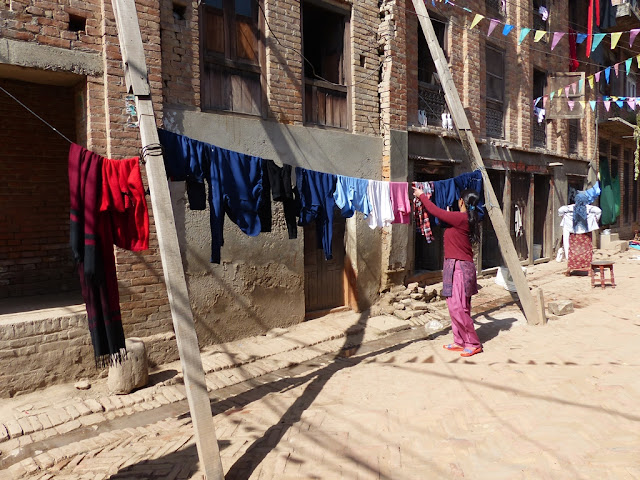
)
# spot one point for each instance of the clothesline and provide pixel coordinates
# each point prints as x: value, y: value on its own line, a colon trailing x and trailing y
x: 36, y: 115
x: 241, y: 186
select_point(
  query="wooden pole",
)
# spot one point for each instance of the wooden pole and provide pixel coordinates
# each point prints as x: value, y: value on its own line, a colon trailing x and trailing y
x: 194, y: 380
x: 468, y: 141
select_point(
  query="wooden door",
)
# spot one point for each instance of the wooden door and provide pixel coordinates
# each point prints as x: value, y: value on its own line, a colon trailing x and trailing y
x: 324, y: 287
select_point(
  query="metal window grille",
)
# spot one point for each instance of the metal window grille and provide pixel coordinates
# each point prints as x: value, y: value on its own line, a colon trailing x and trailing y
x: 431, y: 100
x: 574, y: 130
x: 495, y: 117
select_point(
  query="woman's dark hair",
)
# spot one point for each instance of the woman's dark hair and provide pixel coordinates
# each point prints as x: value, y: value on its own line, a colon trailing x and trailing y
x: 471, y: 198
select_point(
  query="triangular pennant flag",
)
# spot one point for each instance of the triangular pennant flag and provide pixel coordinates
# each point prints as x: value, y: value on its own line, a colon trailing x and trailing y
x: 476, y: 20
x: 593, y: 105
x: 580, y: 85
x: 559, y: 91
x: 620, y: 103
x: 544, y: 102
x: 523, y: 33
x: 615, y: 38
x: 492, y: 25
x: 597, y: 75
x: 582, y: 104
x: 539, y: 34
x: 536, y: 101
x: 615, y: 68
x: 573, y: 88
x: 606, y: 105
x: 597, y: 38
x: 632, y: 103
x: 551, y: 95
x: 581, y: 37
x: 590, y: 78
x: 607, y: 73
x: 627, y: 64
x: 507, y: 29
x: 466, y: 9
x: 632, y: 35
x: 638, y: 60
x: 566, y: 91
x: 556, y: 38
x: 571, y: 104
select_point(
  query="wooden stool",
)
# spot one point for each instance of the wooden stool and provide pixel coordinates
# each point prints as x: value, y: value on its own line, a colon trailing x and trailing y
x: 599, y: 266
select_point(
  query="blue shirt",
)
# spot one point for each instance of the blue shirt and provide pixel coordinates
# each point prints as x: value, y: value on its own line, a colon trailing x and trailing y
x: 351, y: 195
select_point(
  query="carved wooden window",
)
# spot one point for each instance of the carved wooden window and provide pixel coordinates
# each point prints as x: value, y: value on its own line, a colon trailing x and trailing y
x: 230, y: 44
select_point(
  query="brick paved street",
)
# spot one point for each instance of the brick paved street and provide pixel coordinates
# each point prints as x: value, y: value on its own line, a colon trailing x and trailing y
x: 551, y: 402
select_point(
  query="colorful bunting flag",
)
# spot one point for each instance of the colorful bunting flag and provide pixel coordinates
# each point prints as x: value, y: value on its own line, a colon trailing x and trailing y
x: 632, y: 103
x: 544, y: 102
x: 606, y: 105
x: 551, y: 95
x: 593, y: 105
x: 507, y: 28
x: 581, y: 37
x: 573, y: 88
x: 539, y: 35
x: 615, y: 68
x: 571, y: 104
x: 583, y: 104
x: 607, y: 73
x: 580, y: 85
x: 638, y: 60
x: 492, y: 25
x: 620, y: 103
x: 627, y: 64
x: 566, y: 91
x: 590, y: 78
x: 476, y: 20
x: 523, y: 33
x: 557, y: 36
x: 597, y: 38
x: 632, y: 35
x: 615, y: 38
x: 597, y: 76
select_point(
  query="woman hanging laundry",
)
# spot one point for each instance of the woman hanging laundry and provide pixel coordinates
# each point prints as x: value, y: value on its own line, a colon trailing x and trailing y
x: 459, y: 271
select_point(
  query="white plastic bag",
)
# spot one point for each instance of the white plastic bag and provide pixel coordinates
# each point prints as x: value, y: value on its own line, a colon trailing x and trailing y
x: 504, y: 279
x: 560, y: 254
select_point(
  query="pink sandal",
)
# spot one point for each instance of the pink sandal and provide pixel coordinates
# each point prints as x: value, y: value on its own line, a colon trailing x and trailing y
x: 454, y: 347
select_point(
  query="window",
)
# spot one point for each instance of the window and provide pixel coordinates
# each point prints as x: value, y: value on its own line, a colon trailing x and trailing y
x: 494, y: 91
x: 496, y: 8
x: 574, y: 134
x: 539, y: 130
x: 430, y: 93
x: 325, y: 75
x: 630, y: 86
x: 540, y: 15
x: 231, y: 56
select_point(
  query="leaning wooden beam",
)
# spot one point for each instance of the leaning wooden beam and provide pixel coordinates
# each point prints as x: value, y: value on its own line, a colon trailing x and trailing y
x: 468, y: 141
x: 193, y: 373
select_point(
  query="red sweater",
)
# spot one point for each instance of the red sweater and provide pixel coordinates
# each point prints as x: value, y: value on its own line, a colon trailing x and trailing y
x: 456, y: 238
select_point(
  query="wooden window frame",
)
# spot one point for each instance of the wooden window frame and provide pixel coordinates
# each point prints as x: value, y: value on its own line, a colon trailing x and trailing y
x: 496, y: 104
x: 432, y: 88
x: 317, y: 86
x: 230, y: 61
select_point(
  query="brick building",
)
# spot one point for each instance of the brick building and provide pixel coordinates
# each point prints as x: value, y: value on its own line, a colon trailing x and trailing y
x: 232, y: 73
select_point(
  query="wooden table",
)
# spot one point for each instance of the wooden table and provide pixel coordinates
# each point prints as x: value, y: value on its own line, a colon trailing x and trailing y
x: 599, y: 266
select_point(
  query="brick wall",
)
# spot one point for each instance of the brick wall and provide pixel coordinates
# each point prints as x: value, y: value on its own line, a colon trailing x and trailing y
x: 101, y: 123
x: 34, y: 200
